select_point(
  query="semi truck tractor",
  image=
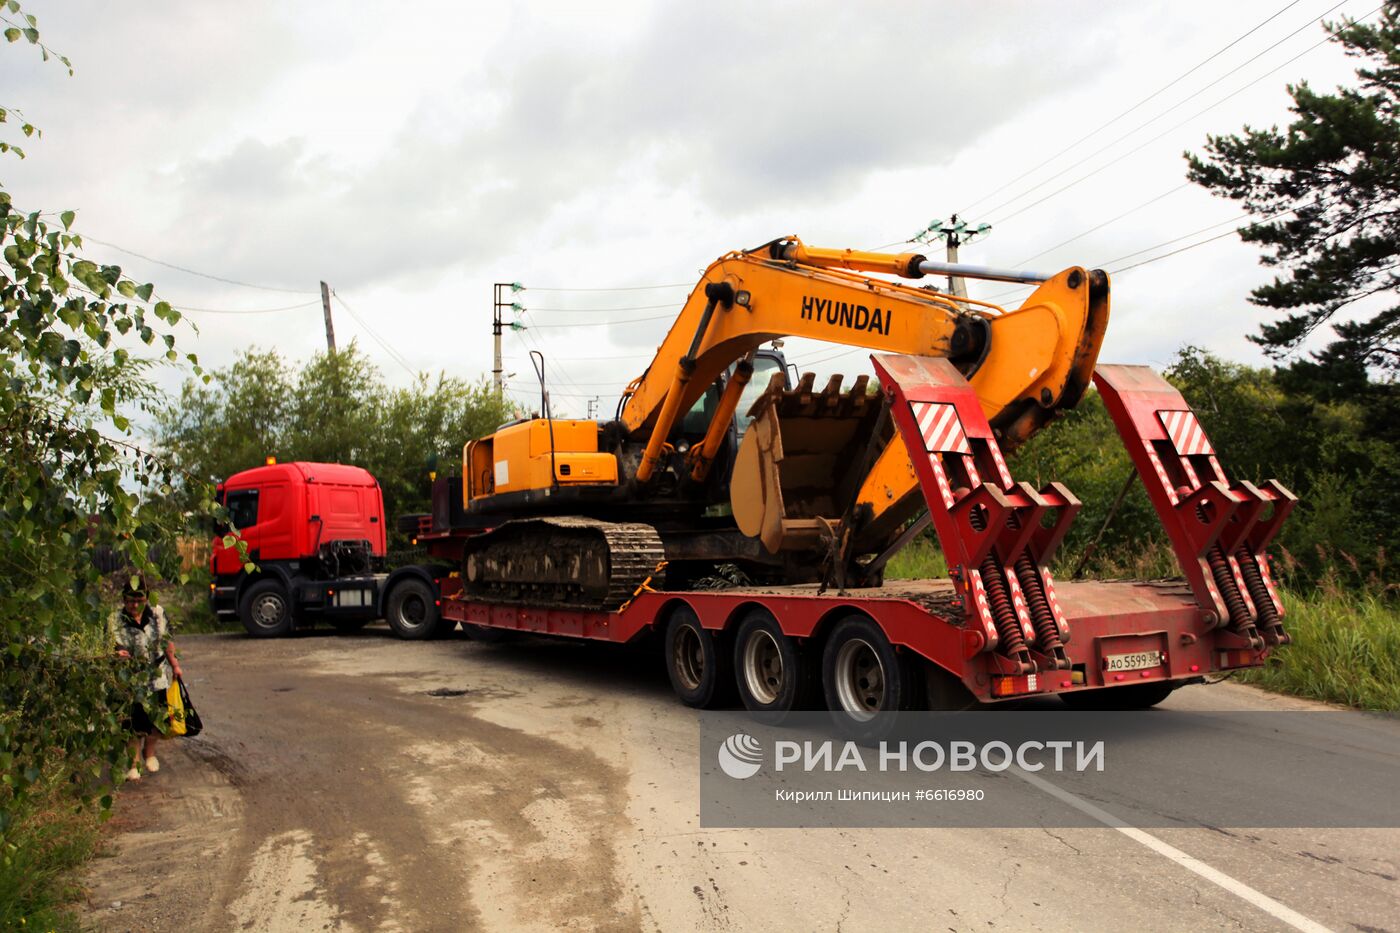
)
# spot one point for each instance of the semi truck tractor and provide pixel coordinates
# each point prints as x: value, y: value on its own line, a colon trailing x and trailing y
x: 315, y: 536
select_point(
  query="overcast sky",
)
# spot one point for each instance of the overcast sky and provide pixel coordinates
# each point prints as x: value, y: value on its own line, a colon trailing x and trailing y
x: 412, y: 154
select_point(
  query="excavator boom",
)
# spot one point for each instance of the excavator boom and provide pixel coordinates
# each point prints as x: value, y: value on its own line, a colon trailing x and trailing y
x: 1024, y: 363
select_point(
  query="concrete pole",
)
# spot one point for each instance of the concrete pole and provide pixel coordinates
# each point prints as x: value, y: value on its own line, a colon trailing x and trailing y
x: 326, y: 308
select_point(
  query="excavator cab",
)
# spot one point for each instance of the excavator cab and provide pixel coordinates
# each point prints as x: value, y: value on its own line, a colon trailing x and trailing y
x: 768, y: 364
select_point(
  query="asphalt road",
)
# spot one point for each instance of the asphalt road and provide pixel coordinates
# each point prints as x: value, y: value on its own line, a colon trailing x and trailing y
x: 363, y: 783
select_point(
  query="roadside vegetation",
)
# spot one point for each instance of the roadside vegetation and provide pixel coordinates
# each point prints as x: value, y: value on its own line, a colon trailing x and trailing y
x: 79, y: 346
x: 333, y: 408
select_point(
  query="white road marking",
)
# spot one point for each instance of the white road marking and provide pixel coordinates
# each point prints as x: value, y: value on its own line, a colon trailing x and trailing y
x: 1236, y: 887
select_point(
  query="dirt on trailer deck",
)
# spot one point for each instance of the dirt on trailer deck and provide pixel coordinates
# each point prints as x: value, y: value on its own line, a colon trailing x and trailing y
x: 937, y: 596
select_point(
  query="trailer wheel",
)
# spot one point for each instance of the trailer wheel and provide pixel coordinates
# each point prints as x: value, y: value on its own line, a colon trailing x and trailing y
x: 862, y: 675
x: 773, y: 675
x: 412, y: 611
x: 265, y: 610
x: 699, y: 670
x: 1131, y: 696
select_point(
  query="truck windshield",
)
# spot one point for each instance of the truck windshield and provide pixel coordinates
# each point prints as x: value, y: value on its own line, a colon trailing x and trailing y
x: 242, y: 505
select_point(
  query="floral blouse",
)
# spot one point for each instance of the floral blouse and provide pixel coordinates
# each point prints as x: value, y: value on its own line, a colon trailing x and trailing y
x: 146, y: 641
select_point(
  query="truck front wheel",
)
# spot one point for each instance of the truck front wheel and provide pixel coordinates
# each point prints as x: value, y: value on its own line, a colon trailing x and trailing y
x: 266, y: 610
x: 412, y: 610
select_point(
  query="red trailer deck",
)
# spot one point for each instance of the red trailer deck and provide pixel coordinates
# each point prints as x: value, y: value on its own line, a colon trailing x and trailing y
x: 1001, y: 627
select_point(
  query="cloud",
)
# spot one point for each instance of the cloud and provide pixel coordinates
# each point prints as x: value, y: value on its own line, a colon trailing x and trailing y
x: 747, y: 108
x: 414, y: 159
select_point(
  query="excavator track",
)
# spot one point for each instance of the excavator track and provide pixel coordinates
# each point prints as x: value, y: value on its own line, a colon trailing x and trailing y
x: 569, y: 561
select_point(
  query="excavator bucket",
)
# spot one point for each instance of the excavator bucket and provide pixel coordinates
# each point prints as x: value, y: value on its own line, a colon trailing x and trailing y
x: 800, y: 459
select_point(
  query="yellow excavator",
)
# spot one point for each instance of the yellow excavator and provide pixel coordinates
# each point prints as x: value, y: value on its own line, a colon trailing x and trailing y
x: 718, y: 462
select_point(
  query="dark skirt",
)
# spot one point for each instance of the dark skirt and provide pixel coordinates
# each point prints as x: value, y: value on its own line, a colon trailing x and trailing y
x: 140, y: 721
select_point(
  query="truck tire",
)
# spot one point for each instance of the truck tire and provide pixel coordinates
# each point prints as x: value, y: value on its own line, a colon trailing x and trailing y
x: 863, y: 676
x: 773, y: 674
x: 700, y: 672
x: 266, y: 610
x: 1131, y: 696
x: 412, y: 610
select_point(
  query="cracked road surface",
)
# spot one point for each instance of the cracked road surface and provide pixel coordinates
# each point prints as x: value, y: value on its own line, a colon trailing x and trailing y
x: 363, y: 783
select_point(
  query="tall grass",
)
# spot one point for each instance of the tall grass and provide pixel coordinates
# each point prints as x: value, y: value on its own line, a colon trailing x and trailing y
x: 1345, y: 649
x: 53, y: 835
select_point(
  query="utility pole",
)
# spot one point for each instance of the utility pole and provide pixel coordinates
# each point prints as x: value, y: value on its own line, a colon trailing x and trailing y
x: 496, y: 336
x: 501, y: 299
x: 593, y: 408
x: 953, y: 233
x: 326, y: 307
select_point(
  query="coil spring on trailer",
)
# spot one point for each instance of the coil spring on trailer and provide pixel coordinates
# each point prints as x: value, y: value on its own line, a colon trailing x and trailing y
x: 1013, y: 643
x: 1046, y: 632
x: 1239, y: 620
x: 1268, y: 618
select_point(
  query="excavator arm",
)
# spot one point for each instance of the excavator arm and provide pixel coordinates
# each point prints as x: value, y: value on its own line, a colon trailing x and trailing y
x: 1024, y: 364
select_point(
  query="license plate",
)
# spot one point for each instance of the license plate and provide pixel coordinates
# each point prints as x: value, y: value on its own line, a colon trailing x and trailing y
x: 1132, y: 661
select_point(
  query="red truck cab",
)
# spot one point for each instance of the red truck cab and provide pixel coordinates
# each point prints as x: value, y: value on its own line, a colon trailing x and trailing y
x: 305, y: 525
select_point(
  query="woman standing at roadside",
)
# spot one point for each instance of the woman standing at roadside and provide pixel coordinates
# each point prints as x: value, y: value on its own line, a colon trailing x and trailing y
x: 140, y: 631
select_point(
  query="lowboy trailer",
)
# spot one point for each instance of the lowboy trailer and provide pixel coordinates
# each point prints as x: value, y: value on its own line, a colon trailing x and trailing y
x: 1000, y: 628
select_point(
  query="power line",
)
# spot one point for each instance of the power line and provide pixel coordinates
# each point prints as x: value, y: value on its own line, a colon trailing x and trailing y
x: 846, y: 351
x: 552, y: 367
x: 1097, y: 227
x: 184, y: 309
x: 393, y: 354
x: 585, y: 384
x: 202, y: 275
x: 1189, y: 246
x: 554, y: 394
x: 1185, y: 236
x: 1172, y: 83
x: 594, y: 359
x: 618, y: 288
x: 630, y: 320
x: 1178, y: 239
x: 562, y: 374
x: 1170, y: 129
x: 604, y: 310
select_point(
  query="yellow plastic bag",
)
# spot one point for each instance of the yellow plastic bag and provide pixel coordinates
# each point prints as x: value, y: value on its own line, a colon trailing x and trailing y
x: 175, y: 703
